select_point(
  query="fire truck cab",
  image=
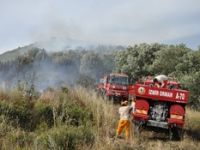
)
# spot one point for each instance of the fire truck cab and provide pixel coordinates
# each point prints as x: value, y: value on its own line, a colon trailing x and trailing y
x: 114, y: 86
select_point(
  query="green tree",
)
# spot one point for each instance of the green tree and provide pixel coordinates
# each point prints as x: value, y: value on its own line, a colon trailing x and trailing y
x: 190, y: 62
x: 136, y: 61
x: 168, y: 58
x: 108, y: 63
x: 91, y: 65
x: 86, y: 81
x: 188, y: 73
x: 191, y: 82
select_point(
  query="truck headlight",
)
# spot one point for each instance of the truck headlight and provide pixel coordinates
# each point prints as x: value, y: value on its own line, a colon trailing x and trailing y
x: 176, y: 116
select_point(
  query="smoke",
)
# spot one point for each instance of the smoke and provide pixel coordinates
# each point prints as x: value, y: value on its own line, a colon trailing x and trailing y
x: 41, y: 70
x: 57, y: 34
x: 56, y: 29
x: 52, y: 75
x: 36, y: 70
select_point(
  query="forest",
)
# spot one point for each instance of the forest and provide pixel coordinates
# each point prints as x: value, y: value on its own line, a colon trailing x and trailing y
x: 36, y: 68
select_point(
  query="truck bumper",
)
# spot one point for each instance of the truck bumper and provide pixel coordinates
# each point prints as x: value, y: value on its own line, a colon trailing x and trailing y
x: 154, y: 123
x: 118, y: 94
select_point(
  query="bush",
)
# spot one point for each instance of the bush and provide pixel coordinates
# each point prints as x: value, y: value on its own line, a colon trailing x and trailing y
x: 64, y: 137
x: 43, y: 112
x: 86, y: 81
x: 45, y: 123
x: 18, y: 113
x: 76, y: 115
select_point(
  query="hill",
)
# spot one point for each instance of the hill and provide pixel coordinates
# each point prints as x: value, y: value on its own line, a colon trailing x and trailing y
x: 35, y: 66
x: 66, y: 44
x: 60, y: 45
x: 15, y: 53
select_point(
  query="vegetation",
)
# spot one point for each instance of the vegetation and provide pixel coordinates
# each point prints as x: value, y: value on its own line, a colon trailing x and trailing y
x: 176, y: 61
x: 53, y: 120
x: 75, y: 119
x: 35, y: 116
x: 41, y: 69
x: 35, y: 67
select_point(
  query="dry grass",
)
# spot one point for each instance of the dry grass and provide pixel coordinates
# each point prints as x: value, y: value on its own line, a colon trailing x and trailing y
x: 104, y: 118
x: 192, y: 119
x: 105, y: 115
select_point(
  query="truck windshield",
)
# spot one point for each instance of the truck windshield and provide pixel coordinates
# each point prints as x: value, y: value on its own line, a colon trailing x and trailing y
x: 119, y: 80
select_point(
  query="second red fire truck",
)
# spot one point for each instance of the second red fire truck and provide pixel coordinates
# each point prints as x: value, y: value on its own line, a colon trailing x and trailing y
x: 114, y: 86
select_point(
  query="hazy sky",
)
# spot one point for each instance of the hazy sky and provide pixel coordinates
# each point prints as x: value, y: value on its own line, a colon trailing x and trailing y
x: 124, y: 22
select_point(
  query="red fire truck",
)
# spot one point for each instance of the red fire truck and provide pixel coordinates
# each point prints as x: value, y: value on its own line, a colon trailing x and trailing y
x: 160, y: 108
x: 114, y: 86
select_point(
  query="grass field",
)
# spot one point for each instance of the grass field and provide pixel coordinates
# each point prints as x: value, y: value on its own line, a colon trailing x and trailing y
x: 77, y: 119
x: 148, y: 140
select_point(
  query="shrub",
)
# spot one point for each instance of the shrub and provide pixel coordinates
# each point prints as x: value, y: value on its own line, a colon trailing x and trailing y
x: 76, y: 115
x: 43, y: 112
x: 64, y: 137
x: 17, y: 113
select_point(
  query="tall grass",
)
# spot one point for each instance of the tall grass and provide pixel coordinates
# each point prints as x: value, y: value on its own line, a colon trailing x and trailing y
x: 55, y: 120
x: 106, y: 116
x: 77, y: 119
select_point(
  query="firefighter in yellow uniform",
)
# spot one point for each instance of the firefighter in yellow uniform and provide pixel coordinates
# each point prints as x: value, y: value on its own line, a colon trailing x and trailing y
x: 124, y: 122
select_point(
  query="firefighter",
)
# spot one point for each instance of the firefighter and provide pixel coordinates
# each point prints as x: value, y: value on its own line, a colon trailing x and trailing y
x: 156, y: 83
x: 124, y: 122
x: 160, y: 81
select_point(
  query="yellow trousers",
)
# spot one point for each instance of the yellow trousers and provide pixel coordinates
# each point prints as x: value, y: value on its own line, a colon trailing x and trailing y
x: 124, y: 124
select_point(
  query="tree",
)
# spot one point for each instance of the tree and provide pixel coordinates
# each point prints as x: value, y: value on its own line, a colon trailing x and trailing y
x: 190, y: 62
x: 168, y: 58
x: 191, y: 82
x: 108, y: 63
x: 86, y: 81
x: 136, y: 61
x: 91, y: 65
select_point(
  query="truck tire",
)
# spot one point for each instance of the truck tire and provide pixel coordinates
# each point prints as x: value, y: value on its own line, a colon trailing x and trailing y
x: 175, y: 134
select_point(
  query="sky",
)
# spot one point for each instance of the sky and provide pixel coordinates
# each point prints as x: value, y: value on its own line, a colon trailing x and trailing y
x: 116, y: 22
